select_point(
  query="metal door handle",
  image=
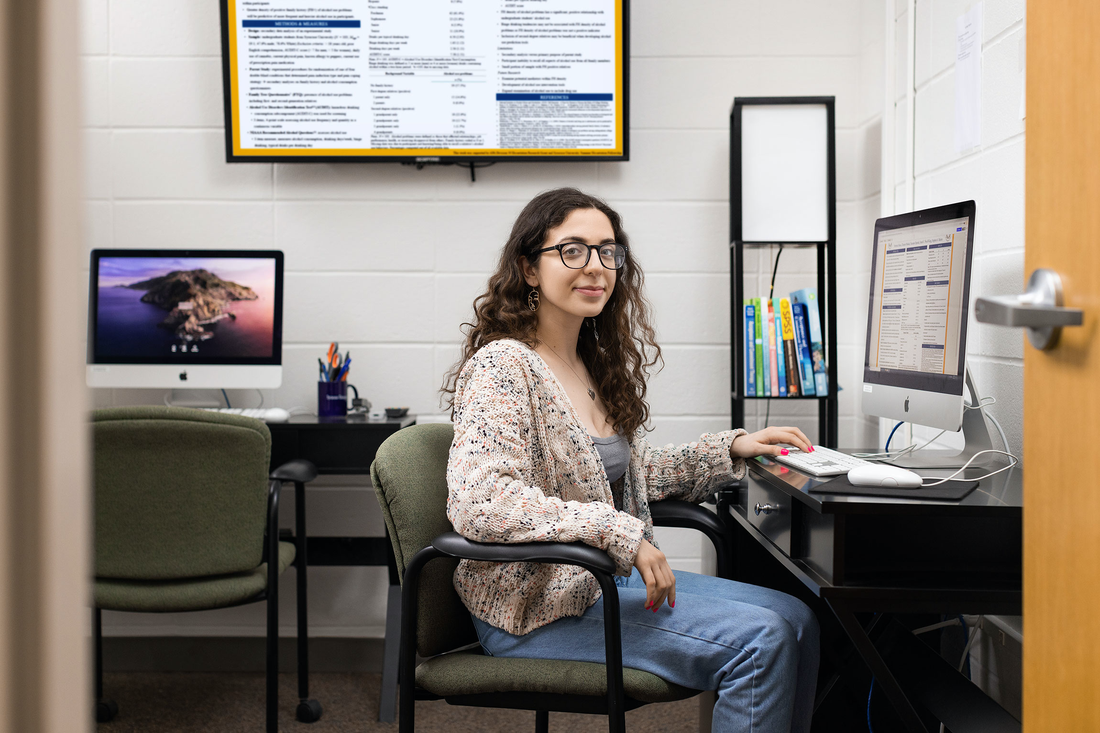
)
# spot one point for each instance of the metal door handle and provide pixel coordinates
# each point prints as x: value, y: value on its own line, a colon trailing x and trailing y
x: 765, y: 508
x: 1039, y: 310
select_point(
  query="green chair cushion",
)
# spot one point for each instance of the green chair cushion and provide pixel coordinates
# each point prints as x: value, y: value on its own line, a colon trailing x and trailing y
x: 179, y: 493
x: 193, y: 594
x: 469, y: 672
x: 409, y: 474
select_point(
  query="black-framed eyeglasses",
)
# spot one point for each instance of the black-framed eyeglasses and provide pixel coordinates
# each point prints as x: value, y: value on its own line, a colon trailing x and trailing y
x: 575, y: 255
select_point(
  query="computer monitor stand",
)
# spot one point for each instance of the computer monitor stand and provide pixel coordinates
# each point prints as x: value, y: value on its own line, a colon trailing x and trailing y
x: 975, y: 434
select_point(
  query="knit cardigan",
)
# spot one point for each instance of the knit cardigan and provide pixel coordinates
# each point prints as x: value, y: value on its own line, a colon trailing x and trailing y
x: 522, y: 468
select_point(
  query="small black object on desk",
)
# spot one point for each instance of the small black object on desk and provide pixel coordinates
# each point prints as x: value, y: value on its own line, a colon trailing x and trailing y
x: 347, y: 447
x: 892, y: 555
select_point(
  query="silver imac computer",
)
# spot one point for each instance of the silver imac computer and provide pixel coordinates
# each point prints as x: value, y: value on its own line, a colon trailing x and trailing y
x: 914, y: 368
x: 185, y: 319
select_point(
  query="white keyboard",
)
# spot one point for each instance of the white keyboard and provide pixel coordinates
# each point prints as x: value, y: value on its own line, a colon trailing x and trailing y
x: 273, y: 414
x: 822, y: 462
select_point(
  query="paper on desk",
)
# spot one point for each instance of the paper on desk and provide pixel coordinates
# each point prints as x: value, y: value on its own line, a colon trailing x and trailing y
x: 968, y: 79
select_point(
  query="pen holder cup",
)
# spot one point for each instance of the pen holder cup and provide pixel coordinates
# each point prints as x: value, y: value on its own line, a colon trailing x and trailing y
x: 332, y: 401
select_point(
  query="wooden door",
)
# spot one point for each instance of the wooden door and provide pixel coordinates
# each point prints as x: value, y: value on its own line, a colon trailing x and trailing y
x: 1062, y: 385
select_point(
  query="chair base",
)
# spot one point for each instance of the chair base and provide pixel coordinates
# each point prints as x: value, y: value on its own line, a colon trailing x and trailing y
x: 309, y: 711
x: 105, y: 710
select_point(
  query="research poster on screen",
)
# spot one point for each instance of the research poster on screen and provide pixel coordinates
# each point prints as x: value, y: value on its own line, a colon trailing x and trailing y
x: 432, y: 77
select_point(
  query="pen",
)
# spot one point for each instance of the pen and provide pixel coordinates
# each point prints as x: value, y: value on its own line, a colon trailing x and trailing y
x: 343, y: 374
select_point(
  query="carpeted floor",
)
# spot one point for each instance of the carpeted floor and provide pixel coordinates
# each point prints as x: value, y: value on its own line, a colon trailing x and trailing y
x: 207, y: 702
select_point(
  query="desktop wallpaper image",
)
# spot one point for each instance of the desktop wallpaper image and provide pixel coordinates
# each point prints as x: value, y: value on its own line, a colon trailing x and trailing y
x: 201, y: 306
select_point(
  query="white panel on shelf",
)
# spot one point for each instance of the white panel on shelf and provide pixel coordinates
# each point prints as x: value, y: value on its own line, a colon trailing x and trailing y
x: 784, y: 173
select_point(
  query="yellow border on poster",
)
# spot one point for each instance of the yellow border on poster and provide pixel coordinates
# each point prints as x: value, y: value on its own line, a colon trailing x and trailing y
x: 234, y: 101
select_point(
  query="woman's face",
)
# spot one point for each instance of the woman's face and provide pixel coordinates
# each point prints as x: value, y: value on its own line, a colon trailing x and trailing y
x: 564, y: 291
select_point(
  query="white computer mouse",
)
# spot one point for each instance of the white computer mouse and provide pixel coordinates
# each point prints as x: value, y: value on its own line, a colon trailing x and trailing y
x: 276, y: 414
x: 877, y: 474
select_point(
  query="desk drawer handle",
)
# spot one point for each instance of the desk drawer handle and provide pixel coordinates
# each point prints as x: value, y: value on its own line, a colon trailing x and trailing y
x: 765, y: 509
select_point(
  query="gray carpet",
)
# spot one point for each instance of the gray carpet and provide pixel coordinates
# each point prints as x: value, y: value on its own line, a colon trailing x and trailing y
x: 190, y: 702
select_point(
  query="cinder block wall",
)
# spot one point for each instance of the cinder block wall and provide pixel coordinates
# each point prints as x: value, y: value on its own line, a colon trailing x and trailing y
x: 387, y: 259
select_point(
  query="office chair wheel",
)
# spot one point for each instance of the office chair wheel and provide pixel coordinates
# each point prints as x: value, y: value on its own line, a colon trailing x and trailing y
x: 309, y: 711
x: 105, y: 710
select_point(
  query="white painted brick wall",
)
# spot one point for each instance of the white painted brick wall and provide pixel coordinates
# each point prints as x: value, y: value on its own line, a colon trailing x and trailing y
x: 387, y: 259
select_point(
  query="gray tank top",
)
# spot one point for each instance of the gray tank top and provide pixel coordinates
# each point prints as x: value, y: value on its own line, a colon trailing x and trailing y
x: 615, y: 454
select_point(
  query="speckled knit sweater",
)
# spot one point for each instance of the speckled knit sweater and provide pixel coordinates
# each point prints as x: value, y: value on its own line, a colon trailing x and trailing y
x: 523, y: 469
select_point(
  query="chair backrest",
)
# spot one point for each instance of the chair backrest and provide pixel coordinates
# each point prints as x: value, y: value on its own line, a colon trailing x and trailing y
x: 179, y: 493
x: 409, y: 474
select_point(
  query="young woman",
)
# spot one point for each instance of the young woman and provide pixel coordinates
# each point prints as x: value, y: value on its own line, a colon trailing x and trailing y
x: 549, y: 411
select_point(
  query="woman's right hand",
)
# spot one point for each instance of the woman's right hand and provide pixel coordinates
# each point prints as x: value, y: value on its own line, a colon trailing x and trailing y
x: 660, y: 583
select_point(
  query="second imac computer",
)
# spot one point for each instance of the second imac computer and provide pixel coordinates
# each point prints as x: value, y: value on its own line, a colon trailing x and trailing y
x: 914, y: 366
x: 185, y: 319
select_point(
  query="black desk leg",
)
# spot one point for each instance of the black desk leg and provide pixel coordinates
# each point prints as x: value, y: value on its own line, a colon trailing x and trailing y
x: 391, y: 649
x: 884, y: 678
x: 308, y: 711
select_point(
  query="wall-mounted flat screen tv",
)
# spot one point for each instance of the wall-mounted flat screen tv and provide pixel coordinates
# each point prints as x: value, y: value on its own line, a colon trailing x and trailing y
x: 431, y: 81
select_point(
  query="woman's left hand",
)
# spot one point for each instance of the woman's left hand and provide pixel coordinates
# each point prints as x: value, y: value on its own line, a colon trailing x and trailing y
x: 765, y: 443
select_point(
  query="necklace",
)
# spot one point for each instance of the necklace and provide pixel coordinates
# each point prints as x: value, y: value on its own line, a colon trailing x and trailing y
x: 591, y: 392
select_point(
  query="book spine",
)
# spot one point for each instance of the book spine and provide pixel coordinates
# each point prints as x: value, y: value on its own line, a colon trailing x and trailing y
x: 773, y: 365
x: 759, y: 350
x: 780, y: 350
x: 802, y: 346
x: 750, y: 349
x: 762, y: 310
x: 793, y: 379
x: 808, y: 297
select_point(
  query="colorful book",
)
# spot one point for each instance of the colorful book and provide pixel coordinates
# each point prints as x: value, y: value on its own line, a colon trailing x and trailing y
x: 808, y: 297
x: 766, y: 352
x: 773, y: 364
x: 759, y: 349
x: 802, y: 348
x: 794, y: 381
x: 780, y: 352
x: 750, y: 349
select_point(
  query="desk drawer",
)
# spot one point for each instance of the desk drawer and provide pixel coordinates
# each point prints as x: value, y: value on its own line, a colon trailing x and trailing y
x: 769, y: 510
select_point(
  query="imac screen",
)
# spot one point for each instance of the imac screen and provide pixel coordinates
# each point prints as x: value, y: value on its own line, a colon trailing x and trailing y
x: 186, y: 309
x: 919, y: 300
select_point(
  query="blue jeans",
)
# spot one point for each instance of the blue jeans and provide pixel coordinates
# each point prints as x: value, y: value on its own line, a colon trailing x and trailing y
x: 757, y: 647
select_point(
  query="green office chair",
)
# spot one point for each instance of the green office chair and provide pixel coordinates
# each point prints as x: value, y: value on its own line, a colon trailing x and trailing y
x: 187, y: 519
x: 409, y: 476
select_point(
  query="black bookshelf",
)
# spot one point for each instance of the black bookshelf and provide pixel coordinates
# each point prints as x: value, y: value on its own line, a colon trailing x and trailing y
x: 827, y: 412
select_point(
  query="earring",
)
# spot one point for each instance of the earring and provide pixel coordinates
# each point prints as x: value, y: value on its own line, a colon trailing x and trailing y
x: 533, y: 300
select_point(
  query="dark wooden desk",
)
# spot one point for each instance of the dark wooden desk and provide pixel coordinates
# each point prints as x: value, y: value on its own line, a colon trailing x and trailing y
x: 347, y: 448
x: 892, y: 555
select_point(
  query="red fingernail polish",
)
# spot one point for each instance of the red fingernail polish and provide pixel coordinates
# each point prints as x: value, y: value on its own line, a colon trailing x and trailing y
x: 783, y: 451
x: 811, y: 449
x: 672, y: 604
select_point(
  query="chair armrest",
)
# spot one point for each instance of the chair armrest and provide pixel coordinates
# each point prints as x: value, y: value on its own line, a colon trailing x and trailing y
x: 299, y: 471
x: 569, y: 553
x: 676, y: 513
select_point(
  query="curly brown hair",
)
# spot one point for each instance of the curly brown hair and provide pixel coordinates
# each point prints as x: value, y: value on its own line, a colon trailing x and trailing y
x: 619, y: 361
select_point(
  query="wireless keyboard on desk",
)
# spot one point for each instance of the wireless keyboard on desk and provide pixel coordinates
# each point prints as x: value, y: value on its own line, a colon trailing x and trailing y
x: 822, y: 462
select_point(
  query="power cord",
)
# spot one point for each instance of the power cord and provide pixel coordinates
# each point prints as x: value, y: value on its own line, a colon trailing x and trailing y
x: 887, y: 457
x: 771, y: 294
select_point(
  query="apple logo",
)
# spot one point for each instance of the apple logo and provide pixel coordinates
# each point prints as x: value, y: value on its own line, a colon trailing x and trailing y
x: 183, y: 378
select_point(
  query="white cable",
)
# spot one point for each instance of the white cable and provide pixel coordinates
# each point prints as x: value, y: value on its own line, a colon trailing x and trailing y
x: 937, y: 481
x: 895, y: 455
x: 970, y: 643
x: 261, y: 393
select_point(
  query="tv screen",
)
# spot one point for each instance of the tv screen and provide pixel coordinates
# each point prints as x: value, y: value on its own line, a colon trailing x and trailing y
x: 185, y: 307
x: 425, y: 82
